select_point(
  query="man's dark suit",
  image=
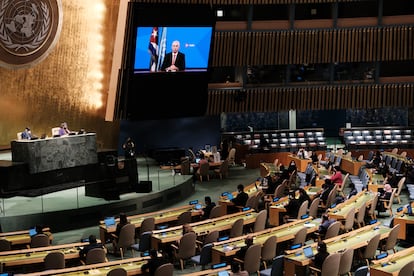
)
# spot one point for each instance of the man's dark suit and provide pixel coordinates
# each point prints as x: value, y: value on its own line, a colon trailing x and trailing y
x: 179, y: 61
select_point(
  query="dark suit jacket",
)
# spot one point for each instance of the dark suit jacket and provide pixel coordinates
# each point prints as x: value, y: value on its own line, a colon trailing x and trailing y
x: 179, y: 61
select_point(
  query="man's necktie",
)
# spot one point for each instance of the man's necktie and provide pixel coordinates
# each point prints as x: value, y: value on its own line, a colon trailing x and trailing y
x: 173, y: 59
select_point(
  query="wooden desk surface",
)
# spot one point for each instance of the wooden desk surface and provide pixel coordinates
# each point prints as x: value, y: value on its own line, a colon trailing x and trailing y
x: 301, y: 164
x: 162, y: 216
x: 131, y: 265
x: 283, y: 233
x: 350, y: 165
x: 275, y: 208
x: 37, y: 255
x: 392, y: 264
x: 340, y: 211
x: 21, y: 237
x: 268, y: 168
x: 202, y: 228
x: 354, y: 239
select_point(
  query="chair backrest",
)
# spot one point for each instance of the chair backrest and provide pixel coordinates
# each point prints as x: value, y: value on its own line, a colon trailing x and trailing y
x: 260, y: 222
x: 330, y: 265
x: 204, y: 169
x: 371, y: 210
x: 185, y: 167
x: 165, y: 270
x: 345, y: 264
x: 313, y: 208
x: 349, y: 220
x: 372, y: 246
x: 217, y: 211
x: 344, y: 181
x: 278, y: 266
x: 211, y: 237
x: 5, y: 245
x: 119, y: 271
x: 303, y: 209
x: 237, y: 228
x: 232, y: 156
x: 360, y: 217
x: 252, y: 258
x: 54, y: 260
x: 392, y: 238
x: 39, y: 240
x: 148, y: 224
x: 269, y: 249
x: 407, y: 269
x: 184, y: 217
x: 126, y: 237
x: 331, y: 196
x: 187, y: 247
x: 251, y: 201
x: 95, y: 256
x: 224, y: 168
x: 280, y: 189
x: 403, y: 154
x: 400, y: 185
x: 145, y: 241
x: 361, y: 271
x: 394, y: 150
x: 300, y: 236
x: 205, y: 254
x: 19, y: 135
x: 333, y: 230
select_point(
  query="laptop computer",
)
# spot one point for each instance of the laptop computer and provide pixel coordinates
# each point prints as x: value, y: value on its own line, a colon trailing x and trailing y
x: 198, y: 206
x: 223, y: 273
x: 109, y: 221
x: 381, y: 256
x: 32, y: 232
x: 308, y: 252
x: 230, y: 196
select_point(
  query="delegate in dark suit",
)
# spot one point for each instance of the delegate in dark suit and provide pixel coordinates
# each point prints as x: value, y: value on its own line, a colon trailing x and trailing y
x: 175, y: 60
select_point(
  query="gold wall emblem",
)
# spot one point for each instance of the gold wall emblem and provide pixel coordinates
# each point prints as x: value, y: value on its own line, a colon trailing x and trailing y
x: 29, y: 29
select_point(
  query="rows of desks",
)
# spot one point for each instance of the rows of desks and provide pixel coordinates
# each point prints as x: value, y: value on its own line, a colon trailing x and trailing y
x: 22, y: 237
x: 173, y: 234
x: 32, y: 256
x: 340, y: 211
x: 354, y: 239
x: 276, y: 209
x: 391, y: 265
x: 131, y: 265
x: 161, y: 217
x: 285, y: 232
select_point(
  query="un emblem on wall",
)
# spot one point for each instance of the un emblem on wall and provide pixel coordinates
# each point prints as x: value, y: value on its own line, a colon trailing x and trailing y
x: 29, y: 29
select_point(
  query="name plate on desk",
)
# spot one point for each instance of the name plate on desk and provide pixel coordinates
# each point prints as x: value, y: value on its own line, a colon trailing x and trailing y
x: 49, y: 154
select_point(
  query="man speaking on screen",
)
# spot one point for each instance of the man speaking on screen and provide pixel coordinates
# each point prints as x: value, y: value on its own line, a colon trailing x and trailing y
x: 175, y: 60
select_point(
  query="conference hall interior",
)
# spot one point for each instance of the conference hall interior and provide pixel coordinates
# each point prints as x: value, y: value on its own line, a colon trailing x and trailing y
x: 263, y: 80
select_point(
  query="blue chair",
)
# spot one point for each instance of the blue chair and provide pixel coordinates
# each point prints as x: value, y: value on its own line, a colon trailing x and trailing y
x: 361, y: 271
x: 276, y: 269
x: 204, y: 258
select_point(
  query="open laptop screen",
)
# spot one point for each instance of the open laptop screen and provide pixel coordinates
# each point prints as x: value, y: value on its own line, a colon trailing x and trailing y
x: 308, y: 252
x: 109, y: 221
x: 32, y: 232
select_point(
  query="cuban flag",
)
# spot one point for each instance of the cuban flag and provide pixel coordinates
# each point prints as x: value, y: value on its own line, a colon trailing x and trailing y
x: 153, y: 49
